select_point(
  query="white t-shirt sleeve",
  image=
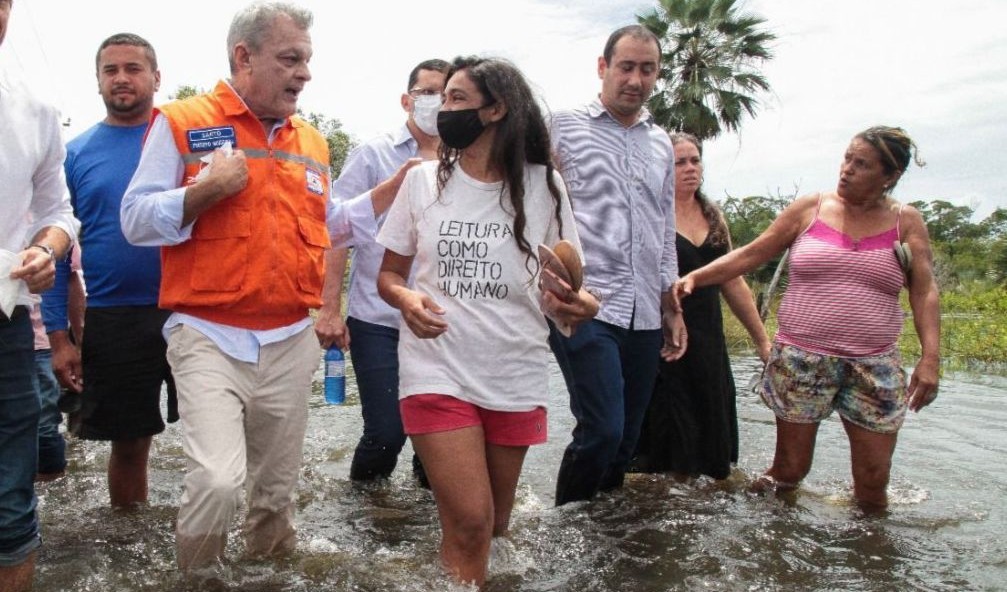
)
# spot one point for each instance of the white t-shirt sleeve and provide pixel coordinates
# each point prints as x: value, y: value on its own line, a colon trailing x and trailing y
x: 398, y: 233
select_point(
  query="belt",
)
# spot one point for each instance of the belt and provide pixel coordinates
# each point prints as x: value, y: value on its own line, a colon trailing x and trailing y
x: 19, y: 310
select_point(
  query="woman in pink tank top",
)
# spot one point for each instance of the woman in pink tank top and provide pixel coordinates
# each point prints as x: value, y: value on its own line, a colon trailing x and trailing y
x: 840, y: 318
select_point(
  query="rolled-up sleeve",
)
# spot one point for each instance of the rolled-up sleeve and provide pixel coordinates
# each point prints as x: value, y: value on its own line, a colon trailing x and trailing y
x: 351, y: 213
x: 50, y: 203
x: 152, y: 208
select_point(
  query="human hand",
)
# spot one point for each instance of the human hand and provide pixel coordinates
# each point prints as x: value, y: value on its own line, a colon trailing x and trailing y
x: 922, y: 389
x: 763, y: 349
x: 37, y: 270
x: 384, y: 192
x: 330, y: 328
x: 66, y: 364
x: 228, y: 172
x: 676, y: 337
x: 422, y: 315
x: 569, y: 309
x: 683, y: 287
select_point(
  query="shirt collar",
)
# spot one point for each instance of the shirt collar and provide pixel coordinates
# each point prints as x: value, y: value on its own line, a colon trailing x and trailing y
x: 596, y: 109
x: 235, y: 106
x: 404, y: 136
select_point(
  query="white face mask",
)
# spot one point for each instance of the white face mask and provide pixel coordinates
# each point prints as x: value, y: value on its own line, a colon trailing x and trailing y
x: 425, y: 109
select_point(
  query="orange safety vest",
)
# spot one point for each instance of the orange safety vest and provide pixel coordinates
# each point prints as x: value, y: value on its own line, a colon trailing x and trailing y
x: 256, y: 259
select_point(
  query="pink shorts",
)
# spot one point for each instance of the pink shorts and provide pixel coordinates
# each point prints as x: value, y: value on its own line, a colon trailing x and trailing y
x: 427, y: 414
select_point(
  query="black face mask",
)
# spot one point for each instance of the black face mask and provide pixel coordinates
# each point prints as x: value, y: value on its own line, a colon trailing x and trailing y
x: 458, y: 129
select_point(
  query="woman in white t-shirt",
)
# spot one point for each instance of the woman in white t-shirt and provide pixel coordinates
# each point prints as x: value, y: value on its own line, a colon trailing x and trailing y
x: 473, y: 365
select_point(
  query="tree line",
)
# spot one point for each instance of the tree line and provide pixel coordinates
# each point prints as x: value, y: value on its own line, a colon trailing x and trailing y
x: 967, y: 252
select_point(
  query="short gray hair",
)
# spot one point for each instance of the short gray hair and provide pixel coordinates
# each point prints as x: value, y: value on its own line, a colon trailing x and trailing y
x: 252, y: 24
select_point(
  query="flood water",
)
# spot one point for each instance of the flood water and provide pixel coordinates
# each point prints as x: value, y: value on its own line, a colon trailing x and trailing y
x: 946, y: 529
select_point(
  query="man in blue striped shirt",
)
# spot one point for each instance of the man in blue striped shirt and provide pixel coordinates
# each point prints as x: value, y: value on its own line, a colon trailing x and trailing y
x: 619, y: 168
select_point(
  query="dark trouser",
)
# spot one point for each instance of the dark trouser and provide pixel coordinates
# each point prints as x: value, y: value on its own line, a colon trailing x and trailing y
x: 19, y: 413
x: 51, y: 445
x: 610, y: 373
x: 375, y: 359
x: 124, y: 360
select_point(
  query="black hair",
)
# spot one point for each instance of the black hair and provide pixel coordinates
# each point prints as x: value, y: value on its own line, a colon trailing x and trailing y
x: 127, y: 39
x: 435, y: 65
x: 635, y: 31
x: 521, y: 137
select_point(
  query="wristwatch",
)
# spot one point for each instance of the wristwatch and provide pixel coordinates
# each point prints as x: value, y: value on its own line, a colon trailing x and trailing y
x: 46, y: 248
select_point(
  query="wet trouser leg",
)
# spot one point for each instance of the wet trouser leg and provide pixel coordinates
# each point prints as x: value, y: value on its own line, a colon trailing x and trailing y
x: 374, y: 355
x: 19, y: 413
x: 239, y: 420
x: 609, y: 373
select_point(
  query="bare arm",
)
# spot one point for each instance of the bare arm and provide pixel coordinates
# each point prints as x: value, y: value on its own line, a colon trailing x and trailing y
x: 329, y: 325
x: 75, y: 306
x: 384, y: 192
x: 420, y: 312
x: 773, y: 241
x: 924, y: 300
x: 741, y: 302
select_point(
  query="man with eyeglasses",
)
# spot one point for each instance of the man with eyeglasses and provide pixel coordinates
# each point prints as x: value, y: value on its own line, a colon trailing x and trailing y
x: 369, y: 181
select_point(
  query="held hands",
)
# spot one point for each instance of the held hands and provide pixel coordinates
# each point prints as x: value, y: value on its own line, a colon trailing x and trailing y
x: 422, y: 314
x: 676, y: 337
x: 37, y: 269
x: 922, y: 388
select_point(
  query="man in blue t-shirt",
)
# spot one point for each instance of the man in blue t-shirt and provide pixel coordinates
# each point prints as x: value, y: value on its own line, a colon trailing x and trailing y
x: 121, y: 364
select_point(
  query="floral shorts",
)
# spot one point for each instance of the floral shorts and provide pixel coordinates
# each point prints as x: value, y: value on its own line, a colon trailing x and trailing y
x: 804, y: 387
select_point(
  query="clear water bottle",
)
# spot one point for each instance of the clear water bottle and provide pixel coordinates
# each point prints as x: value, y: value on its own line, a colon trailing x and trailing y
x: 335, y: 376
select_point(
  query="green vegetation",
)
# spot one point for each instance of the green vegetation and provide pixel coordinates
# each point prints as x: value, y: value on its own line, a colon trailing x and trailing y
x: 340, y: 142
x: 970, y: 261
x: 710, y: 73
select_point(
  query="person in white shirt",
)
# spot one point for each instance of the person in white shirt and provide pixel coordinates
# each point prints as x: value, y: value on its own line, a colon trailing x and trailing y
x: 474, y: 362
x: 36, y: 228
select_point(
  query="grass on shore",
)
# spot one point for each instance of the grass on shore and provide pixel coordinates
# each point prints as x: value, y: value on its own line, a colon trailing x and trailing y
x: 973, y: 331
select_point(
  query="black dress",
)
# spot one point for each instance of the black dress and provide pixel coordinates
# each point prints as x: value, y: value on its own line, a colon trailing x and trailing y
x: 691, y: 426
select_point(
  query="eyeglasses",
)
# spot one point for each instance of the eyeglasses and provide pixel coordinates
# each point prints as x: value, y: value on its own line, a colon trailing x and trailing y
x: 423, y: 92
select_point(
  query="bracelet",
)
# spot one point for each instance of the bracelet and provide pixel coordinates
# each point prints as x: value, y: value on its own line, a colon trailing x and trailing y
x: 46, y: 248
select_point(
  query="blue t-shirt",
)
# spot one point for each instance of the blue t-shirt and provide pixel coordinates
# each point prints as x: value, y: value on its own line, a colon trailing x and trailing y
x: 99, y: 165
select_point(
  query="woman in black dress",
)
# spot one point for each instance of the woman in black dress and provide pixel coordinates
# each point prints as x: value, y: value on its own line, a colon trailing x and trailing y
x: 691, y: 427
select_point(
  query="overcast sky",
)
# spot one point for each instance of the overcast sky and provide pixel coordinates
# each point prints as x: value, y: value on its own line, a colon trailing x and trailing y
x: 938, y: 69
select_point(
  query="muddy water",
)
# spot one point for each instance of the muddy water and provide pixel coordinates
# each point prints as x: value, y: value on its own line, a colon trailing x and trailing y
x: 946, y: 529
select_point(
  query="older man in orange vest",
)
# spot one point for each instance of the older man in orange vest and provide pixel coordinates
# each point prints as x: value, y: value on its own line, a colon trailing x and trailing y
x: 236, y: 190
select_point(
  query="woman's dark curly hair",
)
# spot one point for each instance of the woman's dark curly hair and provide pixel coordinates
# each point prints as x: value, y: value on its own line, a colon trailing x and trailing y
x: 521, y: 137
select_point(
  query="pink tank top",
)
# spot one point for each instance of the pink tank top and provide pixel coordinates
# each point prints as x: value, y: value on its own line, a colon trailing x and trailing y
x: 842, y: 298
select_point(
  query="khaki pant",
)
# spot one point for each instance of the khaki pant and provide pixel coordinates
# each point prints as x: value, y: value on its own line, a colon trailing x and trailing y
x: 243, y: 424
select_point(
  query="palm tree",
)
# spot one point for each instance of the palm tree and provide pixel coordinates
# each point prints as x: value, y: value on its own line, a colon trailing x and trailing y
x: 709, y: 75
